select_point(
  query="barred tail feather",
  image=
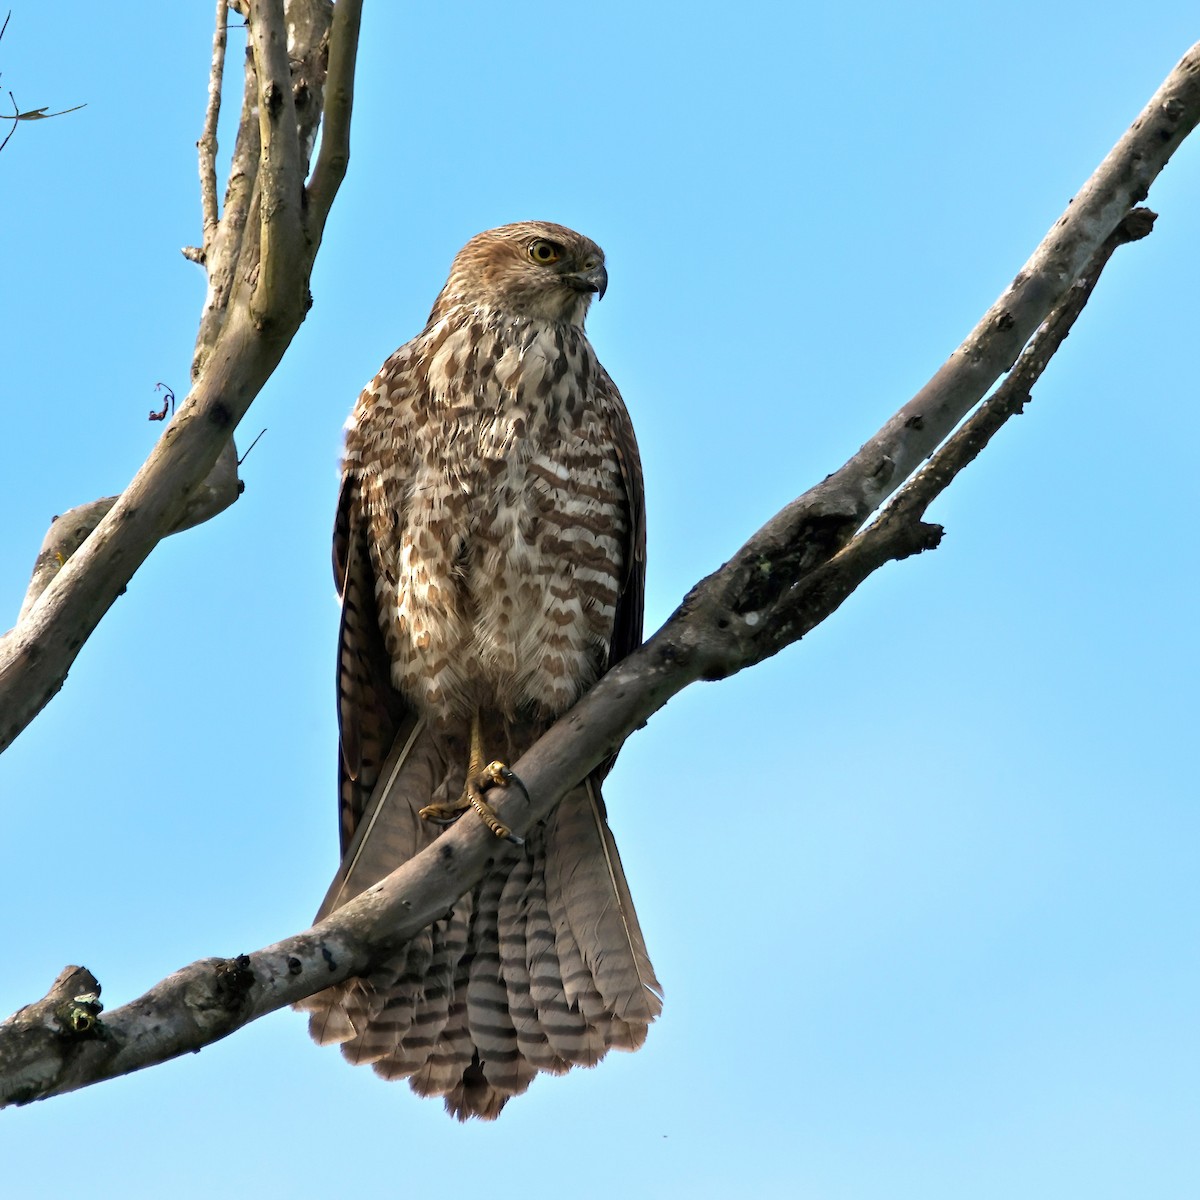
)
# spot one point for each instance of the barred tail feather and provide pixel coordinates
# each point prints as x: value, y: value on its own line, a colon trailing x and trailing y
x: 585, y: 876
x: 541, y: 968
x: 571, y: 1038
x: 517, y: 899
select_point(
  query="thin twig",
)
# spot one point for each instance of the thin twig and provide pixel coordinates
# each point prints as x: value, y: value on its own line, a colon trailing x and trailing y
x: 334, y: 156
x: 168, y: 402
x: 15, y: 118
x: 34, y: 114
x: 223, y: 251
x: 251, y: 446
x: 207, y: 144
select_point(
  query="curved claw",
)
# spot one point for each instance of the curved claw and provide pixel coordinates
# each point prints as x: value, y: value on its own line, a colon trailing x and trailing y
x: 479, y: 779
x: 495, y: 774
x: 441, y: 814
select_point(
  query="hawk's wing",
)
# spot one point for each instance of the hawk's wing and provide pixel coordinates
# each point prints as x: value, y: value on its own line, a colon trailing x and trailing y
x: 371, y: 713
x: 631, y: 599
x: 631, y: 596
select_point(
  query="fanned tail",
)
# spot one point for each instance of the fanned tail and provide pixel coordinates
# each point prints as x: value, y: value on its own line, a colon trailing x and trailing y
x: 541, y: 968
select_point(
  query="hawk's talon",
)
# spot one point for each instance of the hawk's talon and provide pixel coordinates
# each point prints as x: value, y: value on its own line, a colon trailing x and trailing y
x: 443, y: 814
x: 495, y: 774
x: 489, y: 818
x: 479, y: 779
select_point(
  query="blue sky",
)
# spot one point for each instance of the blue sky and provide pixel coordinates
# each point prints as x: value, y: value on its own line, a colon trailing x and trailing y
x: 921, y: 890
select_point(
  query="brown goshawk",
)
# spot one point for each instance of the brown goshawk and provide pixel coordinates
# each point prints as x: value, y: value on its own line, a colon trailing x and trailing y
x: 489, y: 550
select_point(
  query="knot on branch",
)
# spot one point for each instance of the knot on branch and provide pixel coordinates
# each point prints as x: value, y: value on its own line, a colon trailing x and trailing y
x: 1005, y: 402
x: 1136, y: 224
x: 919, y: 537
x: 273, y: 94
x: 80, y: 1015
x: 233, y: 980
x: 37, y: 1040
x: 766, y: 575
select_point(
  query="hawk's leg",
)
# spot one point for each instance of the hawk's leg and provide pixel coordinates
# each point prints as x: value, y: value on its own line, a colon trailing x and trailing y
x: 480, y: 777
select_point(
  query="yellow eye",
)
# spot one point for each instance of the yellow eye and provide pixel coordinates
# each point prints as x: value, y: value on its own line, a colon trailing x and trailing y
x: 545, y: 252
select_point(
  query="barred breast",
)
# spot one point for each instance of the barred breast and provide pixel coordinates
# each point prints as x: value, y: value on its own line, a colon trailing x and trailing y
x: 497, y: 512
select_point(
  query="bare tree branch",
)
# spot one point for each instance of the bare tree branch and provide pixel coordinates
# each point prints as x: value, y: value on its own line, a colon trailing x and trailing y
x: 818, y: 524
x: 223, y: 251
x: 259, y: 264
x: 313, y: 32
x: 207, y: 145
x: 1010, y: 398
x: 899, y: 530
x: 334, y: 158
x: 279, y: 290
x: 219, y: 489
x: 791, y: 574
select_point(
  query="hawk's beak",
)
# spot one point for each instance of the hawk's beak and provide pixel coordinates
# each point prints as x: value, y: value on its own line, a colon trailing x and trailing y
x: 593, y: 280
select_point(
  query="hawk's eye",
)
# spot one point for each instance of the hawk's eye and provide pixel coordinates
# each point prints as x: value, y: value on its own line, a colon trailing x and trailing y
x: 545, y: 252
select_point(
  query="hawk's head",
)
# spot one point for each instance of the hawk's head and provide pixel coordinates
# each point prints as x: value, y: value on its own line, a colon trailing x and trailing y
x: 530, y: 269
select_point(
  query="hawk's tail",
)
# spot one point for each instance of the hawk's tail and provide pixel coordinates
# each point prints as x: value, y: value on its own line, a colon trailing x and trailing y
x: 541, y: 968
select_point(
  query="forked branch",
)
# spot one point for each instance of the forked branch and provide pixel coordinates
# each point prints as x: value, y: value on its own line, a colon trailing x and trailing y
x: 259, y: 260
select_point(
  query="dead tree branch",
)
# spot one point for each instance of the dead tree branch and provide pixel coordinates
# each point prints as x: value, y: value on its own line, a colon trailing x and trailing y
x: 259, y: 260
x: 207, y: 145
x: 792, y: 574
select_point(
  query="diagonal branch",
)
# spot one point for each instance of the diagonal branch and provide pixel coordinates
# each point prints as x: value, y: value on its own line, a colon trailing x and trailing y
x: 794, y: 572
x: 1010, y: 398
x: 820, y: 522
x: 900, y: 531
x: 219, y: 489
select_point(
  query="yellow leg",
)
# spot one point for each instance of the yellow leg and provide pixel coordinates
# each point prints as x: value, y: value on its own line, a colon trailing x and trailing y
x: 479, y: 779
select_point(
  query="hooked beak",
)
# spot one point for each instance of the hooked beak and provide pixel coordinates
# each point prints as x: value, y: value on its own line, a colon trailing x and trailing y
x: 593, y: 280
